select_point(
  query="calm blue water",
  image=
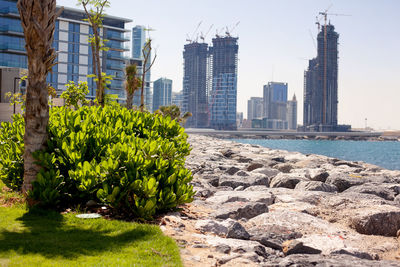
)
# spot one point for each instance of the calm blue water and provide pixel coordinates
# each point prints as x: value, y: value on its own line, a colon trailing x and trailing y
x: 384, y: 154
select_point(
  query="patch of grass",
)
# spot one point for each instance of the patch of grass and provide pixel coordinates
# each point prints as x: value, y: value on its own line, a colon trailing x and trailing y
x: 47, y: 238
x: 9, y: 198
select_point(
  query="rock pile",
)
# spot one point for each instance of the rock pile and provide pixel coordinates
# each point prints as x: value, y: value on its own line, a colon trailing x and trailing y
x: 260, y: 207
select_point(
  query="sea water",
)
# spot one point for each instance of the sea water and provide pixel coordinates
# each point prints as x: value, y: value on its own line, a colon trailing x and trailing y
x: 384, y: 154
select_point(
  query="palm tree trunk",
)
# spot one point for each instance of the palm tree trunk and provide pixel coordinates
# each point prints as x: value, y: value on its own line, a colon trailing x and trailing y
x: 129, y: 100
x: 38, y: 21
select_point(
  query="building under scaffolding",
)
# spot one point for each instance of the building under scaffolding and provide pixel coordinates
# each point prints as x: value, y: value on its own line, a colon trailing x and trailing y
x: 223, y: 96
x: 195, y: 96
x: 321, y: 85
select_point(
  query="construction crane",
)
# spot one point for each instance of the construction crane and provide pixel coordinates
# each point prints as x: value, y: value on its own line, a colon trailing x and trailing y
x: 217, y: 31
x: 203, y: 36
x: 190, y: 39
x: 325, y: 14
x: 313, y: 39
x: 229, y: 31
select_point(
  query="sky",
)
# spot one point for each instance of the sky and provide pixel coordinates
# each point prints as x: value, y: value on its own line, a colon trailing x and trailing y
x: 276, y: 39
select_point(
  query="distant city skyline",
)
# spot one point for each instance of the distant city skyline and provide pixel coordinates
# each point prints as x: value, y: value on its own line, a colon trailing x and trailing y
x: 274, y: 47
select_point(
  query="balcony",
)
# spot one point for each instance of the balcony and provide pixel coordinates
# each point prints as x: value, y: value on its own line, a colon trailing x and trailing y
x: 116, y: 57
x: 13, y: 64
x: 118, y: 46
x: 11, y: 11
x: 12, y: 30
x: 118, y: 36
x: 115, y: 66
x: 14, y: 48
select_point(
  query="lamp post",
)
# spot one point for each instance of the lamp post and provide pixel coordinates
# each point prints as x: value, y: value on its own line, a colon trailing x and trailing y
x: 15, y: 80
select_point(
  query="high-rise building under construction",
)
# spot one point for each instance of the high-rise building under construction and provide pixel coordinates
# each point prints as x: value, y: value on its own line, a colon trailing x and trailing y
x: 223, y: 95
x: 195, y: 89
x: 321, y: 84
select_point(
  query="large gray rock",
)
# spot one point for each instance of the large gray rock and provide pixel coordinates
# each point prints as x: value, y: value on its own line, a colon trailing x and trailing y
x: 273, y: 236
x: 250, y: 180
x: 385, y: 191
x: 307, y: 260
x: 316, y: 186
x: 240, y: 210
x: 376, y: 220
x: 221, y: 197
x: 284, y: 167
x: 236, y: 245
x: 285, y: 180
x: 232, y: 170
x: 254, y: 166
x: 318, y: 175
x: 296, y: 247
x: 292, y: 221
x: 228, y: 228
x: 344, y: 181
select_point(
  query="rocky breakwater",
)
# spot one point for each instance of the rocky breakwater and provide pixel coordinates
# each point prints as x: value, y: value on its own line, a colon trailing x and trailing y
x: 260, y: 207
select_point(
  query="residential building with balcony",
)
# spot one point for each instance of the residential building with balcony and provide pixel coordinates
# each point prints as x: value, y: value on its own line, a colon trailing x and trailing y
x: 71, y: 42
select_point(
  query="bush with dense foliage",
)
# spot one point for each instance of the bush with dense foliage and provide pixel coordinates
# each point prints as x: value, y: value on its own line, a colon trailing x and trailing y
x: 130, y: 160
x: 11, y: 152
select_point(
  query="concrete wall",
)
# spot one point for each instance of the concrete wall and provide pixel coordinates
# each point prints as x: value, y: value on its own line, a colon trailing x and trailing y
x: 6, y: 111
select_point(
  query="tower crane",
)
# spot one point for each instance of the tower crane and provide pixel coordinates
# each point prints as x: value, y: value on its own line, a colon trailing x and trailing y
x: 190, y: 39
x: 229, y: 31
x: 203, y: 36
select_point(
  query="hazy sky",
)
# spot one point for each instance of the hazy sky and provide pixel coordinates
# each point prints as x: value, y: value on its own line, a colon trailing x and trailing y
x: 275, y: 43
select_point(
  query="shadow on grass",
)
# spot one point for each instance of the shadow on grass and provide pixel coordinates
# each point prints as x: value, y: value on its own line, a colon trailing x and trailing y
x: 47, y: 234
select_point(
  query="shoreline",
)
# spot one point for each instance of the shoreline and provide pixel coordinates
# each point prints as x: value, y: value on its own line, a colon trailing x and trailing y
x: 311, y: 138
x: 256, y: 206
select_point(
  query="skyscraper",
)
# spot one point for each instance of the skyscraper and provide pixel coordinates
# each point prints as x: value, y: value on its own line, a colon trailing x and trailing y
x: 223, y: 97
x: 275, y: 99
x: 71, y: 41
x: 138, y: 43
x: 195, y: 93
x: 255, y: 108
x: 162, y: 91
x: 292, y: 113
x: 177, y: 99
x: 321, y: 84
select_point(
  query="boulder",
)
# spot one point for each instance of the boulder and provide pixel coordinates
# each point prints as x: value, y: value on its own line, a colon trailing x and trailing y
x: 254, y: 166
x: 239, y: 210
x: 221, y: 197
x: 344, y: 181
x: 316, y: 186
x: 228, y: 228
x: 236, y: 245
x: 279, y: 159
x: 232, y: 170
x: 296, y: 247
x: 341, y: 260
x: 292, y: 221
x: 284, y: 167
x: 252, y: 179
x: 376, y: 220
x: 385, y: 191
x: 285, y: 180
x: 273, y: 236
x: 318, y: 175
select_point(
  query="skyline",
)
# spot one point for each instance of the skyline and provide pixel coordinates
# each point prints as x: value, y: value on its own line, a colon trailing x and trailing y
x: 274, y: 38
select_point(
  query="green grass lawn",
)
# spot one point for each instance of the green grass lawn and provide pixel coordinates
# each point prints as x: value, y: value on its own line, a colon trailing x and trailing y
x: 43, y: 238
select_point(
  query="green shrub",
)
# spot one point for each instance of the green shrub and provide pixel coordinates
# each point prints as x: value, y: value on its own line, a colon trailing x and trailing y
x: 130, y: 160
x: 11, y: 152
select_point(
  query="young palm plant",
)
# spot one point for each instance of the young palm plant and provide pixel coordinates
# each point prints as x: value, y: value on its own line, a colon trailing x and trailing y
x: 38, y: 19
x: 132, y: 84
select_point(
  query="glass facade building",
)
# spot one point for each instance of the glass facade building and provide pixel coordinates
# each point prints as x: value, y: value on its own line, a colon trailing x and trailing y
x: 162, y: 93
x: 71, y: 42
x: 223, y: 97
x: 138, y: 43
